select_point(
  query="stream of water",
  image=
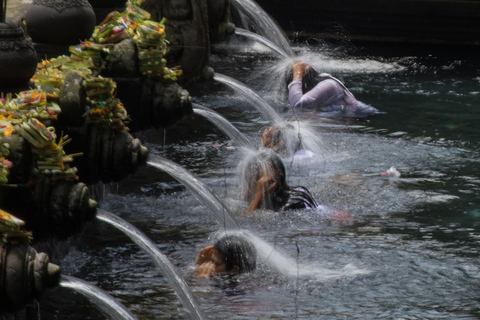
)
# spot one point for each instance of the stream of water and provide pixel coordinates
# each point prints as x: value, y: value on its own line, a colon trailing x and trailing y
x: 161, y: 261
x: 224, y: 125
x: 264, y: 24
x: 262, y: 40
x: 102, y: 300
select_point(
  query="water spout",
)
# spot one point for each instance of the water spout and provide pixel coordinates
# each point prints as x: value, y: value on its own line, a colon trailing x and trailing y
x: 258, y: 102
x: 104, y: 302
x: 162, y: 262
x: 201, y: 191
x: 264, y: 24
x: 262, y: 40
x: 223, y: 124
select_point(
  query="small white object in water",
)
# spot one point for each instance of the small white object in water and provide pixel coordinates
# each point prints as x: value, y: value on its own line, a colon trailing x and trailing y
x: 392, y: 172
x: 301, y: 156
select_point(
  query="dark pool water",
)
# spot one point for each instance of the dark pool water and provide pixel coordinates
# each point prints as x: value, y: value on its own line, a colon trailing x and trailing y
x: 418, y: 235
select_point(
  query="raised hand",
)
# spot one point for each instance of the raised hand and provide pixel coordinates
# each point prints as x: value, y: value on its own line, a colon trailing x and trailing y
x: 205, y: 270
x: 205, y: 255
x: 265, y: 185
x: 299, y: 69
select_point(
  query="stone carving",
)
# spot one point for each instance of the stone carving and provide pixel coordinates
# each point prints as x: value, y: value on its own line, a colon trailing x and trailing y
x: 60, y: 22
x: 189, y: 26
x: 18, y: 56
x: 61, y: 5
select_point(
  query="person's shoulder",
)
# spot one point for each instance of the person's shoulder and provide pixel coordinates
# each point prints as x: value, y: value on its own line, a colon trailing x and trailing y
x: 325, y: 75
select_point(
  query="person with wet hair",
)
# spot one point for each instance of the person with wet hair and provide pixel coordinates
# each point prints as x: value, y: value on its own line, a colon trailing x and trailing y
x: 264, y: 176
x: 273, y: 138
x: 276, y: 137
x: 310, y: 89
x: 230, y: 254
x: 292, y: 144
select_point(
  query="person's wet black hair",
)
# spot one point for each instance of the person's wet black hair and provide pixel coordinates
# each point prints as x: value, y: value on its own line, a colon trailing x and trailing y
x: 281, y: 132
x: 258, y: 163
x: 237, y: 252
x: 309, y: 80
x: 277, y: 136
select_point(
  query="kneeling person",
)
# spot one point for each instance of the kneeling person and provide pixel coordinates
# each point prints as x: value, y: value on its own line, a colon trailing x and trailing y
x: 266, y: 187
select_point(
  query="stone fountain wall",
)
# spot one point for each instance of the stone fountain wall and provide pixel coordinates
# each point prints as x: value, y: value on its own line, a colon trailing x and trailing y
x: 51, y: 195
x: 111, y: 154
x: 191, y: 26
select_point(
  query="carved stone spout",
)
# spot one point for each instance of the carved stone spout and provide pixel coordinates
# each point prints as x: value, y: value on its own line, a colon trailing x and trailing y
x: 111, y: 155
x: 24, y: 275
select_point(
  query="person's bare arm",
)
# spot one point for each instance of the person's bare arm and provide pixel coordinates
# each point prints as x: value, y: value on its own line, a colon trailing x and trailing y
x: 264, y: 186
x: 295, y: 92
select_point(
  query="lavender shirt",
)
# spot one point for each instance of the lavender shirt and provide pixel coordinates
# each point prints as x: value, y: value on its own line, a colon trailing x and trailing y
x: 330, y: 91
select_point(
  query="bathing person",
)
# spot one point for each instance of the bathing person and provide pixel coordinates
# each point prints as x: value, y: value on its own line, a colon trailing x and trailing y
x: 284, y: 140
x: 231, y: 254
x: 292, y: 144
x: 266, y: 187
x: 309, y: 89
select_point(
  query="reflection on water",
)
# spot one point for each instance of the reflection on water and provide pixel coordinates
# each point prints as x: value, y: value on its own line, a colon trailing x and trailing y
x: 418, y: 235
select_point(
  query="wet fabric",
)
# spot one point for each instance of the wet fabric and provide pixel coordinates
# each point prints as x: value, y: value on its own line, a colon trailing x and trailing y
x: 299, y: 198
x: 330, y: 91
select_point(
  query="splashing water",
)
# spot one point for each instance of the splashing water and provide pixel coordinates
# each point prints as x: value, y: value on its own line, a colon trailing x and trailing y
x: 301, y: 151
x: 201, y: 191
x: 264, y: 24
x: 258, y: 102
x: 272, y: 81
x: 280, y: 262
x: 104, y: 302
x: 262, y: 40
x: 267, y: 253
x: 162, y: 262
x: 223, y: 124
x: 331, y: 64
x: 297, y: 136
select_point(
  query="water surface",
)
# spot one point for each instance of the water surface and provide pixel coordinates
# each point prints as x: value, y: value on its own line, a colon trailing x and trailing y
x: 418, y: 235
